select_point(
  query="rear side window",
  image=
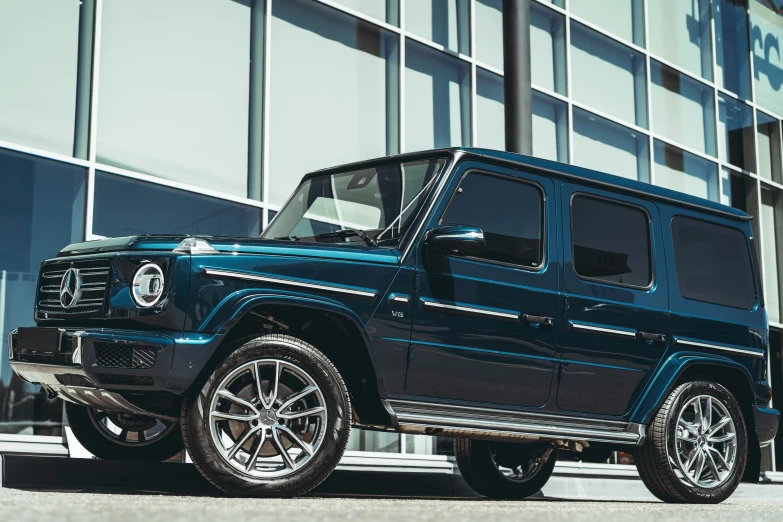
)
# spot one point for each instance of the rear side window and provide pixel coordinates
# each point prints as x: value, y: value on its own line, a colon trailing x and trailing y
x: 611, y: 242
x: 509, y: 212
x: 713, y: 263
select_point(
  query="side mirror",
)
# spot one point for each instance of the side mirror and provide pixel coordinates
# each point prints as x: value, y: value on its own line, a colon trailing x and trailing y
x: 468, y: 241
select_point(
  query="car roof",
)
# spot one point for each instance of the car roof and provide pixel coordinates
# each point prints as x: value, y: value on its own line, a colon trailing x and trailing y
x: 558, y: 170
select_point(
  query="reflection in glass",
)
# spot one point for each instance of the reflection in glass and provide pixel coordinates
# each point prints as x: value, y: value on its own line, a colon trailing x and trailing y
x: 490, y: 118
x: 605, y: 146
x: 547, y: 37
x: 174, y: 90
x: 735, y: 129
x: 166, y: 211
x: 679, y: 170
x: 334, y: 83
x: 41, y: 211
x: 770, y: 216
x: 445, y: 22
x: 768, y: 136
x: 437, y: 99
x: 623, y: 18
x: 550, y: 128
x: 608, y: 76
x: 680, y: 33
x: 384, y: 10
x: 731, y: 46
x: 489, y: 32
x: 766, y: 20
x: 38, y: 55
x: 683, y: 109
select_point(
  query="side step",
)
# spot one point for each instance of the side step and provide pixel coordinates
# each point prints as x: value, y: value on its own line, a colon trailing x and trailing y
x: 464, y: 421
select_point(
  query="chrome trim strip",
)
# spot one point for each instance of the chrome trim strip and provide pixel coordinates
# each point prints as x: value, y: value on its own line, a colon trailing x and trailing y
x: 289, y: 282
x: 396, y: 298
x: 469, y: 310
x: 744, y: 351
x: 600, y: 330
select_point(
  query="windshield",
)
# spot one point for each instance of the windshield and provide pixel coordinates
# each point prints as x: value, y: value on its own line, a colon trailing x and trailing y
x: 373, y: 206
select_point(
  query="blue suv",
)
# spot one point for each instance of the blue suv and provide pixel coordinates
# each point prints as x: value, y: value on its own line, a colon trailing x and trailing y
x: 526, y: 308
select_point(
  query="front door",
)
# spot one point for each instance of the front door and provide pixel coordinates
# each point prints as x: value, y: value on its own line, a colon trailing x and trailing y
x: 483, y: 326
x: 616, y: 311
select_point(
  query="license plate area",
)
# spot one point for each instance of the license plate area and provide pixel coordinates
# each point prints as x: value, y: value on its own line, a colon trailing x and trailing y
x: 39, y: 340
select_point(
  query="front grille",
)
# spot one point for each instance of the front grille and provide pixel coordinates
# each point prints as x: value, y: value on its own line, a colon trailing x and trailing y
x: 57, y: 358
x: 124, y: 355
x: 125, y: 380
x: 94, y: 277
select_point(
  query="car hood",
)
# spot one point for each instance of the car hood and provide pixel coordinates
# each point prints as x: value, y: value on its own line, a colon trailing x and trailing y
x: 238, y: 245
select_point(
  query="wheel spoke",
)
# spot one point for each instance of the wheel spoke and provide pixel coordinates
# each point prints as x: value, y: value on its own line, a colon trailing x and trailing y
x: 142, y: 437
x: 722, y: 438
x: 721, y: 461
x: 707, y: 418
x: 699, y: 414
x: 289, y: 462
x: 241, y: 442
x: 294, y: 438
x: 718, y: 425
x: 691, y: 459
x: 241, y: 417
x: 712, y: 466
x: 123, y: 436
x: 319, y: 410
x: 257, y: 379
x: 225, y: 394
x: 251, y: 462
x: 692, y: 428
x: 700, y: 462
x: 294, y: 398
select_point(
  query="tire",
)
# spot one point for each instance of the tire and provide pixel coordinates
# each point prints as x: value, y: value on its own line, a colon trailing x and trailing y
x: 139, y: 438
x: 679, y: 438
x: 477, y: 464
x: 242, y: 438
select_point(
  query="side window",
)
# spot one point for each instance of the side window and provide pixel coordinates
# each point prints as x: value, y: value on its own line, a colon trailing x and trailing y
x: 611, y: 242
x: 713, y: 263
x: 509, y: 212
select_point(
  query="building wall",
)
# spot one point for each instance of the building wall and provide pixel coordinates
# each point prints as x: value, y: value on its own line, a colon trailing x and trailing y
x: 120, y: 117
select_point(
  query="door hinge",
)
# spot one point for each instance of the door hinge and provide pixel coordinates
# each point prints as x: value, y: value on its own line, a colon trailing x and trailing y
x: 415, y: 282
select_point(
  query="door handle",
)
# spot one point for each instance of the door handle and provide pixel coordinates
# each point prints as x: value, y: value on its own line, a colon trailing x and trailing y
x: 537, y: 321
x: 651, y: 337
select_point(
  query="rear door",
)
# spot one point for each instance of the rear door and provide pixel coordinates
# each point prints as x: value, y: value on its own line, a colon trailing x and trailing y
x: 616, y: 301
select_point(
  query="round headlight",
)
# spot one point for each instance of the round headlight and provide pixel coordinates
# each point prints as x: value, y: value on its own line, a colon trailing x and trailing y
x: 147, y: 285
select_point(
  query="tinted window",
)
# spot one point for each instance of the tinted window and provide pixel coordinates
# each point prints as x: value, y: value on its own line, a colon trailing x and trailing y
x: 611, y: 242
x: 509, y: 212
x: 713, y: 263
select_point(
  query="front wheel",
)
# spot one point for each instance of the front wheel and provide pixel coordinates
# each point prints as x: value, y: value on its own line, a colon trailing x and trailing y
x: 696, y: 446
x: 504, y: 470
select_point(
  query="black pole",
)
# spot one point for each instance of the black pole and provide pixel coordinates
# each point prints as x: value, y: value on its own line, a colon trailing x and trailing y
x: 517, y: 90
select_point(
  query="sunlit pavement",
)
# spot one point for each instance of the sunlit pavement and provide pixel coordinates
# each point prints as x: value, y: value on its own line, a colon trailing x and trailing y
x: 38, y: 506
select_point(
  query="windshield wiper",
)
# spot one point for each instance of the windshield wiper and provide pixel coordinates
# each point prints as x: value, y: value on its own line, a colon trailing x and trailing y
x: 349, y: 232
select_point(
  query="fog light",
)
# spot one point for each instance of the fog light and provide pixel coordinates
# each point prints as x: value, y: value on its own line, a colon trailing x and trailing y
x: 147, y: 285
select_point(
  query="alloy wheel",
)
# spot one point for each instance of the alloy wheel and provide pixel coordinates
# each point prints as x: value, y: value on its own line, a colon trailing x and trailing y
x: 522, y: 471
x: 128, y: 429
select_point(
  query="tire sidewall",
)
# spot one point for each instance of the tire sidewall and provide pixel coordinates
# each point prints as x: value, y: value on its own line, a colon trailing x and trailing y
x: 337, y: 425
x: 685, y: 393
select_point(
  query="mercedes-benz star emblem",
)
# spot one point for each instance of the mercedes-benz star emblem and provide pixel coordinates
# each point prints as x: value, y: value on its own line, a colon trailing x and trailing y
x: 70, y: 288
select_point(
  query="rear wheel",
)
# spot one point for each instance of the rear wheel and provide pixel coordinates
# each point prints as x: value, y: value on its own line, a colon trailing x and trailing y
x: 696, y: 446
x: 120, y: 436
x: 504, y: 470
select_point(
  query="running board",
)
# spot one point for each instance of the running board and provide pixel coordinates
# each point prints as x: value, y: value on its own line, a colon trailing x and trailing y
x: 464, y: 421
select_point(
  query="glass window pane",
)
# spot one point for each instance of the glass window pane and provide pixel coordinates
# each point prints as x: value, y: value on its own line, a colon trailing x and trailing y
x: 38, y: 55
x: 437, y: 99
x: 491, y: 130
x: 623, y: 18
x: 608, y: 76
x: 547, y: 37
x: 444, y: 22
x: 680, y: 33
x: 731, y: 46
x: 174, y: 88
x: 713, y: 263
x: 605, y: 146
x: 511, y: 236
x: 611, y: 242
x: 489, y: 32
x: 766, y: 20
x: 170, y: 211
x: 384, y: 10
x: 334, y: 89
x: 41, y: 211
x: 735, y: 128
x: 550, y: 128
x: 683, y: 109
x: 679, y: 170
x: 378, y: 441
x: 770, y: 213
x: 768, y: 136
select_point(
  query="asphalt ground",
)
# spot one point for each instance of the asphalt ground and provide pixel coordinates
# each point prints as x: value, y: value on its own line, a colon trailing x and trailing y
x: 87, y: 506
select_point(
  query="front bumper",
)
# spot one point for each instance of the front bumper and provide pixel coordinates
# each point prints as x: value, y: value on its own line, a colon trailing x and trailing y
x: 108, y: 368
x: 767, y: 420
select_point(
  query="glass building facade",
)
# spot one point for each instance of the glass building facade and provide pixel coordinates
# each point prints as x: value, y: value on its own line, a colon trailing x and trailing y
x: 210, y: 111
